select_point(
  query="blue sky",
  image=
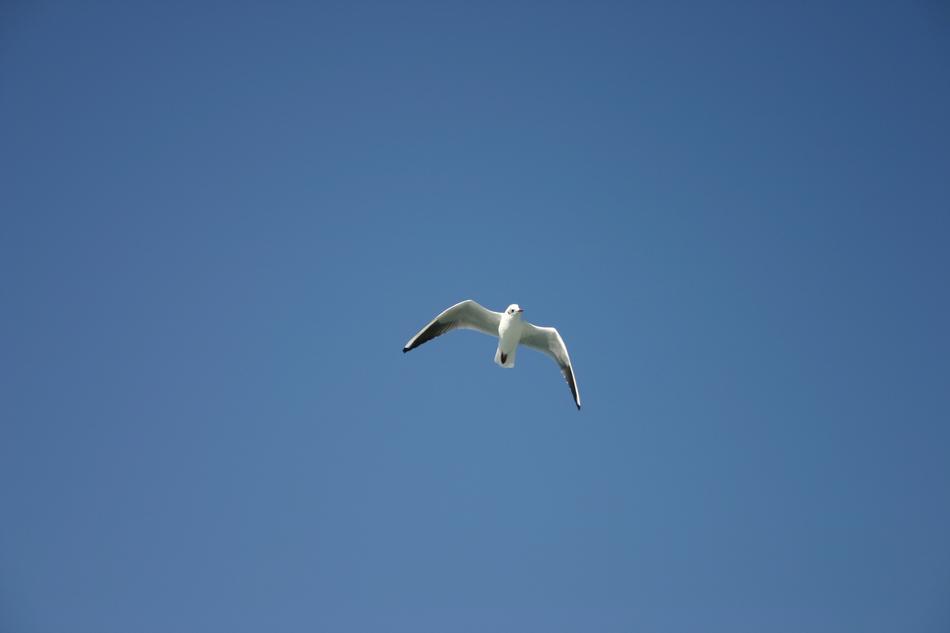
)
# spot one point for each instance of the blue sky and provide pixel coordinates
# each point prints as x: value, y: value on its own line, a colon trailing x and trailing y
x: 222, y: 221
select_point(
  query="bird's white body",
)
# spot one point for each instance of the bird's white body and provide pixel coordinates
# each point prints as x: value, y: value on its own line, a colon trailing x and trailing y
x: 509, y: 335
x: 511, y: 331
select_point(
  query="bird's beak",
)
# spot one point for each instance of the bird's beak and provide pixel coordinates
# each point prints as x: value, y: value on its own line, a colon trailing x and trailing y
x: 520, y: 310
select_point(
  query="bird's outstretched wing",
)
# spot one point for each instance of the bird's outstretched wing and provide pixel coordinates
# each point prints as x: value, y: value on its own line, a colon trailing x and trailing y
x: 466, y: 315
x: 547, y: 340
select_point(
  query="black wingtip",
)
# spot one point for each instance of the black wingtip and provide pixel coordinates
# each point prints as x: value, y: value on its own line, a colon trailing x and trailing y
x: 578, y: 407
x: 405, y: 349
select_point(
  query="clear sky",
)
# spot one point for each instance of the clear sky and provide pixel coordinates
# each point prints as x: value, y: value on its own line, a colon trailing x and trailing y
x: 222, y: 221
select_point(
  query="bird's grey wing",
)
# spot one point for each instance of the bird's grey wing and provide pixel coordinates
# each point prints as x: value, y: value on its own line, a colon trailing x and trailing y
x: 547, y: 340
x: 465, y: 315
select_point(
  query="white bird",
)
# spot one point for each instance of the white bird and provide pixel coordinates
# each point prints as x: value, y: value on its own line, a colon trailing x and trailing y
x: 510, y: 330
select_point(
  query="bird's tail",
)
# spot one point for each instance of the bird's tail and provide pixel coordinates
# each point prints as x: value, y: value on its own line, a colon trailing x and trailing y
x: 505, y: 360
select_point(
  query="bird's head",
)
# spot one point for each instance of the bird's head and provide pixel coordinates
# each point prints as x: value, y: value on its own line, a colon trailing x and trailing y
x: 514, y: 311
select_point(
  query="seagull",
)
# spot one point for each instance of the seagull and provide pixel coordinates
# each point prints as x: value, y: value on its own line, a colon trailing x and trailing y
x: 511, y: 331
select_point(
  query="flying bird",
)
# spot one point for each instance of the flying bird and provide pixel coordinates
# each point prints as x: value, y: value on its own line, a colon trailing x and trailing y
x: 511, y: 331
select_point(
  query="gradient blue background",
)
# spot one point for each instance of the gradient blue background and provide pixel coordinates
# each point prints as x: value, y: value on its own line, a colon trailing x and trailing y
x: 220, y: 224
